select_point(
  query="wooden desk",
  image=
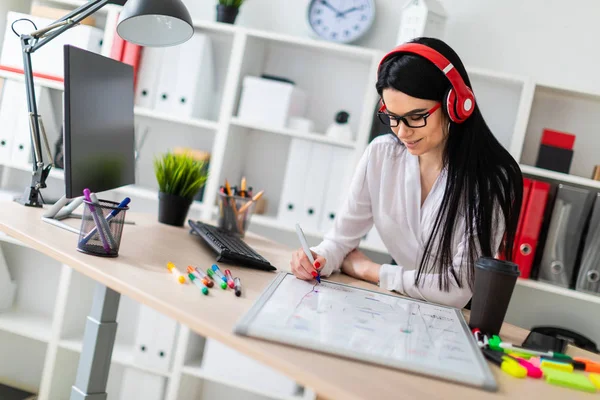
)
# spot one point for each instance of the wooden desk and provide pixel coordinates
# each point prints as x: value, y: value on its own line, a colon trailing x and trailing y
x: 140, y: 273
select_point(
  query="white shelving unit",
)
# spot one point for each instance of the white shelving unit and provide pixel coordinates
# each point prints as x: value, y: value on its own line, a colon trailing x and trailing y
x: 45, y: 334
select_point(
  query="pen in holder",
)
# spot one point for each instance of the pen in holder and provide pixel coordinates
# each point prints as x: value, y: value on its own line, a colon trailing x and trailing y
x: 235, y: 213
x: 101, y: 228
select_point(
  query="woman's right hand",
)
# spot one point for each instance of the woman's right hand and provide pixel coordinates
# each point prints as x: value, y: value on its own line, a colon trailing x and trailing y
x: 301, y: 266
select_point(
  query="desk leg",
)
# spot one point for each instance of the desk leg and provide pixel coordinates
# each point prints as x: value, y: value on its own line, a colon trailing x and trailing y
x: 98, y: 341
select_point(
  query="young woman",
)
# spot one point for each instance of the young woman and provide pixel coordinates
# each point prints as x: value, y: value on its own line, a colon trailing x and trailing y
x: 441, y: 191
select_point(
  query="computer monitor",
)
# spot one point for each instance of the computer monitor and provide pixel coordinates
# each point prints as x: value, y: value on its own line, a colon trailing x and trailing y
x: 99, y: 142
x: 98, y: 122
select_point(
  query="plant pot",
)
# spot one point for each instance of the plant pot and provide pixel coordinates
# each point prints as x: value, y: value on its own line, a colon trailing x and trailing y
x: 172, y: 209
x: 227, y: 14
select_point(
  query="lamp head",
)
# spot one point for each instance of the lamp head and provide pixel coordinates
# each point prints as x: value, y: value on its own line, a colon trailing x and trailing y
x: 155, y: 23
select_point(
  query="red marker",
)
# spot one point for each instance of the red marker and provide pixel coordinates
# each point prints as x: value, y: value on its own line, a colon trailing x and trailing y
x: 229, y: 277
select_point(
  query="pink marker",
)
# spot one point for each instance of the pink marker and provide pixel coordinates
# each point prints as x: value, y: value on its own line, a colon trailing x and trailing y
x: 532, y: 370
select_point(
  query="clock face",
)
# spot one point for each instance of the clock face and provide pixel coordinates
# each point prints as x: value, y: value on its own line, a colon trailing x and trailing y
x: 341, y: 20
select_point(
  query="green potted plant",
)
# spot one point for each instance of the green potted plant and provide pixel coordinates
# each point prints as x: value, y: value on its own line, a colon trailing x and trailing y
x: 179, y: 178
x: 227, y: 10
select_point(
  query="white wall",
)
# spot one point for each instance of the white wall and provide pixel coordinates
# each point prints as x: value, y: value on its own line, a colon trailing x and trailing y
x: 553, y: 41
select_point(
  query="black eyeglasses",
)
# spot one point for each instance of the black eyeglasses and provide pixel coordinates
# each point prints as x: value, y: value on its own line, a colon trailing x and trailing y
x: 412, y: 121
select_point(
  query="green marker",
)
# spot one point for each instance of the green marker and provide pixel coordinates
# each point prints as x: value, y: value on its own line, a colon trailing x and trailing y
x: 202, y: 288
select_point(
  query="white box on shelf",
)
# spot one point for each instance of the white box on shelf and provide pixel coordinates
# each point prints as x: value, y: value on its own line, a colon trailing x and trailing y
x: 270, y: 102
x: 49, y: 59
x: 336, y: 188
x: 147, y: 84
x: 292, y: 195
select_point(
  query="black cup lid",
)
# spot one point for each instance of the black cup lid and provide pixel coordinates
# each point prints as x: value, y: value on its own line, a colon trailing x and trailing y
x: 495, y: 265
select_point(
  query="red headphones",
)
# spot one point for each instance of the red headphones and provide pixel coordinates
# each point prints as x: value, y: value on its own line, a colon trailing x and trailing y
x: 460, y: 101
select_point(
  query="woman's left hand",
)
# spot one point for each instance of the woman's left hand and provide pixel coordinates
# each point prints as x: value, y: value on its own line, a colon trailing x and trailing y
x: 357, y: 265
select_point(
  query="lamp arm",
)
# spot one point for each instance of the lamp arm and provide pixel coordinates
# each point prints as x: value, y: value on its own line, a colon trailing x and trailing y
x: 29, y: 44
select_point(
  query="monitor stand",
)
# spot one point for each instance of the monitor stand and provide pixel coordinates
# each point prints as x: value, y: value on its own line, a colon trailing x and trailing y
x: 61, y: 210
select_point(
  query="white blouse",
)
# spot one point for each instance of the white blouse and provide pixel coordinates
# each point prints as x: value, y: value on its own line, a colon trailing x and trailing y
x: 386, y: 191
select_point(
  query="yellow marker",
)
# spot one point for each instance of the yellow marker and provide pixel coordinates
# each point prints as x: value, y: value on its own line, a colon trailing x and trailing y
x: 556, y: 365
x: 595, y: 378
x: 513, y: 368
x: 173, y: 269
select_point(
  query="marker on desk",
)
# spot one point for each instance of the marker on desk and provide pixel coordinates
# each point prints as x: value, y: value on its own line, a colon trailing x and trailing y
x: 304, y: 243
x: 196, y: 282
x: 497, y: 344
x: 110, y: 216
x: 478, y: 337
x: 229, y: 277
x: 97, y: 221
x: 533, y: 371
x: 506, y: 364
x: 218, y: 272
x: 173, y: 270
x: 200, y: 275
x: 211, y: 273
x: 590, y: 366
x: 238, y: 287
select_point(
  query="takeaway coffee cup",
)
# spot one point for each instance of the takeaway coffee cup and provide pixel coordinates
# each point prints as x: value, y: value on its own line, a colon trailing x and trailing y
x: 494, y: 283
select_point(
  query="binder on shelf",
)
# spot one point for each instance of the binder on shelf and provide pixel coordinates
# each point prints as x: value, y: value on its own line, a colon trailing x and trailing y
x: 317, y: 174
x: 155, y: 339
x: 195, y: 77
x: 530, y: 224
x: 137, y: 384
x: 292, y: 195
x: 12, y: 91
x: 165, y: 101
x: 337, y: 185
x: 131, y: 56
x: 118, y: 45
x: 570, y: 211
x: 588, y: 278
x: 48, y: 60
x: 147, y: 84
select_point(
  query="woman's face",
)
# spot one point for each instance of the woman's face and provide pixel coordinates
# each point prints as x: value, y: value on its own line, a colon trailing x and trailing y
x: 422, y: 140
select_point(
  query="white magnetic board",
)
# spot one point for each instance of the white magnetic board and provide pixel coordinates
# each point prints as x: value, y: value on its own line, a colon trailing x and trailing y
x: 360, y: 324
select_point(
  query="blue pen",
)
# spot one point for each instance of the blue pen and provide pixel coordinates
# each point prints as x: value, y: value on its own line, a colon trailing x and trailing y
x: 86, y: 194
x: 110, y: 216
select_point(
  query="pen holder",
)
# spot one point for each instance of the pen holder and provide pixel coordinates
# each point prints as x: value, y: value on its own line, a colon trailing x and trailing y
x: 101, y: 228
x: 234, y: 213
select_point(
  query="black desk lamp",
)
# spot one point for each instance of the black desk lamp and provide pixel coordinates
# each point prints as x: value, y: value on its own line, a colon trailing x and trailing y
x: 145, y: 22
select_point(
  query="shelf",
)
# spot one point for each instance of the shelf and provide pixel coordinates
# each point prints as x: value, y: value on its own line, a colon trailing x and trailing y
x: 559, y: 176
x: 315, y: 137
x: 317, y: 44
x: 198, y: 123
x: 495, y: 75
x: 195, y: 369
x: 122, y: 355
x: 547, y: 287
x: 26, y: 324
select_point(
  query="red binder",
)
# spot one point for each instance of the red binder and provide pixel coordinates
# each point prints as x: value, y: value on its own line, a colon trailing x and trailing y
x: 131, y: 55
x: 527, y: 239
x: 526, y: 188
x: 116, y: 51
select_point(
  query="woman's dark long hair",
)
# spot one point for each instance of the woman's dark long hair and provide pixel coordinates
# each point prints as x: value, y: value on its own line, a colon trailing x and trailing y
x: 484, y: 183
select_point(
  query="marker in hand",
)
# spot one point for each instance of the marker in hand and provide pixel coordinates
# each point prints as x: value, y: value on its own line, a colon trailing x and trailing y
x: 316, y: 275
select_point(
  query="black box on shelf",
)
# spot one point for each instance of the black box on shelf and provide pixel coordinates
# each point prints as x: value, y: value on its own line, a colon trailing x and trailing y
x: 554, y: 158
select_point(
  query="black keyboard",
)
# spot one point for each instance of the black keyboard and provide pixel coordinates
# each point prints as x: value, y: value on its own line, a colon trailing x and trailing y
x: 230, y: 249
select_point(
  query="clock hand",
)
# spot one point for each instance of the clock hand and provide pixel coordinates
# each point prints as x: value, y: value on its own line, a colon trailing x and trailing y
x: 341, y: 14
x: 326, y: 4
